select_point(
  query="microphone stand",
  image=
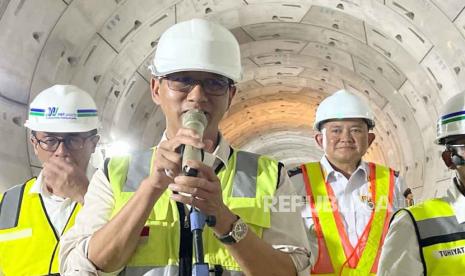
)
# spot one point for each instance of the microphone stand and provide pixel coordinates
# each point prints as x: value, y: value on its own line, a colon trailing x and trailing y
x: 198, y: 220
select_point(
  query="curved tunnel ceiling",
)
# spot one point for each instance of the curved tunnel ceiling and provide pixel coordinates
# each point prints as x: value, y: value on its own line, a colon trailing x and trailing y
x: 404, y: 57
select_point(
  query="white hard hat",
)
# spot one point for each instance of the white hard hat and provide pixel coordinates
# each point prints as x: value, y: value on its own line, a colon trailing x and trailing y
x: 343, y: 105
x: 198, y: 45
x: 62, y: 108
x: 452, y: 119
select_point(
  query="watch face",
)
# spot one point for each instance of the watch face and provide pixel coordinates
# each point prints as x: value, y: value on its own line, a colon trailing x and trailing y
x: 240, y: 230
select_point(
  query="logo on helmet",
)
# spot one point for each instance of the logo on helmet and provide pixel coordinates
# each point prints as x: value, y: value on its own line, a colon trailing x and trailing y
x: 52, y: 111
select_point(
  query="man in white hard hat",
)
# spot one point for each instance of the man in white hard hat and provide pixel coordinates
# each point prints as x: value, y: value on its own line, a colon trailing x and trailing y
x: 135, y: 216
x: 429, y: 238
x: 348, y: 201
x: 33, y: 216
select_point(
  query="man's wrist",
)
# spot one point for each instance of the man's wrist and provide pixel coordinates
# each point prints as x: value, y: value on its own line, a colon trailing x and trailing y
x: 224, y: 222
x: 153, y: 187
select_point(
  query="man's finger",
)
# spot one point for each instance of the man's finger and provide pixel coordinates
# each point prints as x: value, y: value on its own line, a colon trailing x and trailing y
x: 196, y: 183
x: 206, y: 171
x: 62, y: 163
x: 193, y: 191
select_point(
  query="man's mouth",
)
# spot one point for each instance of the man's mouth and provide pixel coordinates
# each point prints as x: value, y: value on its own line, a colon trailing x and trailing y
x: 203, y: 111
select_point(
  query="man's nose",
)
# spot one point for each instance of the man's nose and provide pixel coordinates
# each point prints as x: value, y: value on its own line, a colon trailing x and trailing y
x: 61, y: 150
x: 197, y: 94
x: 346, y: 135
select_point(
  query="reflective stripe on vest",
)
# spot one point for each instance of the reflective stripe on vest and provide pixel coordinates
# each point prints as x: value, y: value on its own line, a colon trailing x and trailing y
x: 10, y: 206
x: 246, y: 172
x: 139, y: 168
x: 440, y: 236
x: 30, y: 247
x: 336, y: 255
x: 244, y: 195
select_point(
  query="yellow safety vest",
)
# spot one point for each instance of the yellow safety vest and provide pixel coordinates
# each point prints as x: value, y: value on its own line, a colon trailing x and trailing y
x: 440, y: 237
x: 336, y: 256
x: 29, y: 244
x: 247, y: 182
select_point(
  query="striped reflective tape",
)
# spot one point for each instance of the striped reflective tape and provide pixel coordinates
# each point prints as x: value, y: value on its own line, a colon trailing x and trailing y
x: 16, y: 235
x: 86, y: 112
x: 453, y: 117
x: 37, y: 112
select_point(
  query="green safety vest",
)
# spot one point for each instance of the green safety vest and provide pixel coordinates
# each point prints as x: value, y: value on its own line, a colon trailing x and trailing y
x: 440, y: 237
x: 247, y: 182
x: 29, y: 244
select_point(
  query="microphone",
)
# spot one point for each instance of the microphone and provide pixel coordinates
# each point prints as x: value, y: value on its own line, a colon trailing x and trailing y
x: 196, y: 120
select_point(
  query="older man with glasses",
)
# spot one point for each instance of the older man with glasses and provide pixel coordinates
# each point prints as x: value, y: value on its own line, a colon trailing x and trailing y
x: 33, y: 216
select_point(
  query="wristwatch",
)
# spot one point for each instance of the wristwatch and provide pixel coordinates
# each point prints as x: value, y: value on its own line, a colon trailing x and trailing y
x: 238, y: 231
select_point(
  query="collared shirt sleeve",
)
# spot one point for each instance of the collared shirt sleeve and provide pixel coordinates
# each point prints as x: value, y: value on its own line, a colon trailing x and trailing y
x: 401, y: 253
x: 306, y: 214
x: 94, y: 214
x: 287, y: 232
x: 399, y: 188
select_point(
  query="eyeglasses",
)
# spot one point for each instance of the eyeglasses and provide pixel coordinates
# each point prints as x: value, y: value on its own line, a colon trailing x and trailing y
x: 72, y: 142
x: 211, y: 86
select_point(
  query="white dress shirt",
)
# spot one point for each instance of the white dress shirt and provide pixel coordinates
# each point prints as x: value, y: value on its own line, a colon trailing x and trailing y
x: 58, y: 209
x: 354, y: 211
x: 401, y: 252
x: 287, y: 232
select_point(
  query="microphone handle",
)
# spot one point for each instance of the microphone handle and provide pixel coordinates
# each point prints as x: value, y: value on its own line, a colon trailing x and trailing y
x: 190, y: 153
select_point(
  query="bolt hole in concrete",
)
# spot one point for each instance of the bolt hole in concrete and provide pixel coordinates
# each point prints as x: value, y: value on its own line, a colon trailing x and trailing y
x: 17, y: 120
x: 36, y: 36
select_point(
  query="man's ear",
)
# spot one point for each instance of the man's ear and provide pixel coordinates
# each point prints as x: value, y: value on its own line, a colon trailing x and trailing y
x: 94, y: 142
x: 232, y: 93
x: 155, y: 90
x: 319, y: 139
x: 34, y: 144
x: 371, y: 138
x: 447, y: 158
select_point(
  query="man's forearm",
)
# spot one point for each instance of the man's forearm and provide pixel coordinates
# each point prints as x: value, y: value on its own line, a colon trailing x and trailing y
x: 112, y: 246
x: 256, y: 257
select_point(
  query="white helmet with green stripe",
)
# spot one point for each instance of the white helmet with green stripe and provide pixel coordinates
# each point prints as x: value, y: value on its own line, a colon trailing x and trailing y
x: 62, y: 108
x: 451, y: 123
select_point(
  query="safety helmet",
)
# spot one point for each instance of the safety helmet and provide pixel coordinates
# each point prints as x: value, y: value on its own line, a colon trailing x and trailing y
x: 62, y: 108
x: 452, y: 119
x: 343, y: 105
x: 198, y: 45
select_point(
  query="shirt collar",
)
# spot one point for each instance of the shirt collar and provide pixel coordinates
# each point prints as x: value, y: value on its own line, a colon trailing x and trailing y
x: 38, y: 188
x: 457, y: 201
x: 330, y: 172
x: 218, y: 156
